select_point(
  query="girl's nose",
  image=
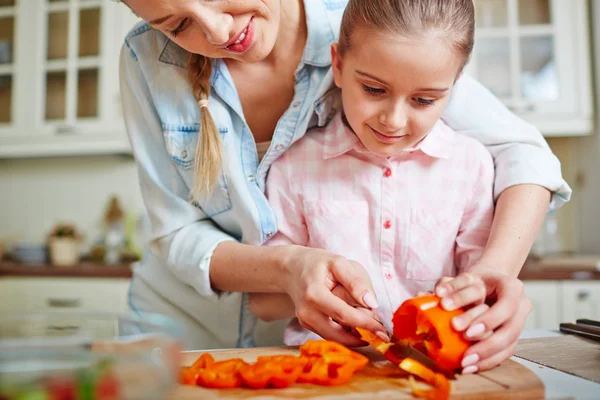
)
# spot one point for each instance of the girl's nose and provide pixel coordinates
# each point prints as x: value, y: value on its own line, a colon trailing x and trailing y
x: 216, y: 25
x: 394, y: 119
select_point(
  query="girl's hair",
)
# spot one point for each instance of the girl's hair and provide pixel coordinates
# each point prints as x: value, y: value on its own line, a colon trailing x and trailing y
x: 453, y: 19
x: 209, y: 150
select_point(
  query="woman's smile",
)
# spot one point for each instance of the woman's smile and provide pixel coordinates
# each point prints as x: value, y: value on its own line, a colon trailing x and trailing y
x: 243, y: 40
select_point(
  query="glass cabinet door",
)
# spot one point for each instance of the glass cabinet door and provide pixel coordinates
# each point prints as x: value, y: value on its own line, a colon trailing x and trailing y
x: 7, y: 47
x: 515, y: 54
x: 72, y: 62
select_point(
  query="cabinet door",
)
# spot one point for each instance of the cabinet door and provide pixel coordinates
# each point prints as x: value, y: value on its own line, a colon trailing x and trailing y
x: 8, y: 66
x: 534, y: 55
x: 544, y: 296
x: 580, y: 300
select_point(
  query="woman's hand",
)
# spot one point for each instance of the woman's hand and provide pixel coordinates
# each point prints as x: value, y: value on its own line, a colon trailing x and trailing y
x: 309, y: 277
x: 496, y: 328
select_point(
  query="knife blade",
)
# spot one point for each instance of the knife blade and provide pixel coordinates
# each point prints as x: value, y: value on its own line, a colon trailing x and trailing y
x: 402, y: 349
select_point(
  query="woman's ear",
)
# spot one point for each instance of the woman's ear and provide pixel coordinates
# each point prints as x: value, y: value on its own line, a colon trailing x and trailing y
x: 336, y: 64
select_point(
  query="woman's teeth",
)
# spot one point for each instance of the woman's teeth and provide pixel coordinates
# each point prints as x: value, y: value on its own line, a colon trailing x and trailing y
x: 242, y: 37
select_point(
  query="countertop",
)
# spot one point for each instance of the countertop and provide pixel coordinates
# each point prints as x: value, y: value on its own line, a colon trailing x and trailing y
x: 562, y: 267
x: 559, y: 385
x: 85, y: 269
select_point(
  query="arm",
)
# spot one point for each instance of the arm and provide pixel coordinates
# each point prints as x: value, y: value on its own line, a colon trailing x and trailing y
x: 522, y: 157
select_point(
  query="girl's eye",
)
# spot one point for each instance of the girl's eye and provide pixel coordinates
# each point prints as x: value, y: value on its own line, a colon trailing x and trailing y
x: 373, y: 91
x: 423, y: 102
x: 180, y: 28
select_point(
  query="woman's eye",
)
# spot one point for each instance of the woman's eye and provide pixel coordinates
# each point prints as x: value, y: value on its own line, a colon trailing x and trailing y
x: 180, y: 28
x: 372, y: 90
x: 424, y: 102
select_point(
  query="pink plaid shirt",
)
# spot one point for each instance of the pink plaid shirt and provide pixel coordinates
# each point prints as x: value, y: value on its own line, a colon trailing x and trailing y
x: 409, y: 219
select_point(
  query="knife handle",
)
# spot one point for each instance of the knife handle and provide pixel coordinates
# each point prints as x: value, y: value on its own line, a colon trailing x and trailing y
x: 590, y: 322
x: 587, y: 331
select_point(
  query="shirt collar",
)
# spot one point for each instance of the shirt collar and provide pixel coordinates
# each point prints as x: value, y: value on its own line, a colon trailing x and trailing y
x: 341, y: 139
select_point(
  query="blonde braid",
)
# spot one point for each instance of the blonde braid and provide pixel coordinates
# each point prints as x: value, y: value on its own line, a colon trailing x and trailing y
x: 209, y: 149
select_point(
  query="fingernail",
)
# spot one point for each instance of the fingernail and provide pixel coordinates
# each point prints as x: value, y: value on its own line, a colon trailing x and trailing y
x: 441, y: 292
x: 475, y: 330
x: 370, y: 300
x: 383, y: 336
x: 459, y: 323
x: 448, y: 304
x: 471, y: 369
x: 470, y: 360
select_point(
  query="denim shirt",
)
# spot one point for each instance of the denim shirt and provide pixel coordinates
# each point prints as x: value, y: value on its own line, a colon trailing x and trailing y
x: 163, y: 123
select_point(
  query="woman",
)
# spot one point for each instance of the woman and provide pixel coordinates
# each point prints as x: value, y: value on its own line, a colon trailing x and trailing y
x: 259, y: 78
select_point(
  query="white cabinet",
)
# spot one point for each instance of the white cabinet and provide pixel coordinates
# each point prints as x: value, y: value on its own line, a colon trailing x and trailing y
x: 545, y: 299
x: 535, y: 56
x: 561, y: 301
x: 580, y: 300
x: 64, y: 294
x: 59, y: 88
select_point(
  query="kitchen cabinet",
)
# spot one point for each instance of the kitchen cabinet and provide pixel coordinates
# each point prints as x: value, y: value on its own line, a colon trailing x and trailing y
x: 561, y: 301
x: 59, y: 86
x: 535, y: 56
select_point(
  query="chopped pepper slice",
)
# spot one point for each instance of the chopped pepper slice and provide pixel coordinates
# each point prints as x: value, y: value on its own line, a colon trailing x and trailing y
x: 329, y: 363
x: 189, y: 375
x: 441, y: 385
x: 274, y: 371
x: 379, y: 345
x: 422, y: 321
x: 221, y: 374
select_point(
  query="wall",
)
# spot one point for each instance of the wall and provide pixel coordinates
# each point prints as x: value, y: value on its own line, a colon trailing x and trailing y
x: 37, y: 193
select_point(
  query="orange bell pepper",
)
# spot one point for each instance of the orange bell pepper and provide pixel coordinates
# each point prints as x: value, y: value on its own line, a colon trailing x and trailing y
x: 441, y: 385
x: 221, y: 374
x: 189, y: 375
x: 423, y: 321
x: 274, y: 371
x: 329, y: 363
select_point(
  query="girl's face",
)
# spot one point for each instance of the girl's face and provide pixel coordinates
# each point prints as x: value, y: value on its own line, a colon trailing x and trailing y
x: 244, y: 30
x: 394, y: 89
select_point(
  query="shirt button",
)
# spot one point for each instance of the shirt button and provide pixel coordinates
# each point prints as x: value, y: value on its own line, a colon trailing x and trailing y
x: 388, y: 275
x: 296, y: 104
x: 269, y: 234
x: 387, y: 173
x: 184, y: 154
x: 387, y: 224
x: 279, y: 147
x: 251, y: 178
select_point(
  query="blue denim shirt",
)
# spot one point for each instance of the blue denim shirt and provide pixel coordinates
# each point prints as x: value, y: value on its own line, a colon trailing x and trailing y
x: 163, y: 120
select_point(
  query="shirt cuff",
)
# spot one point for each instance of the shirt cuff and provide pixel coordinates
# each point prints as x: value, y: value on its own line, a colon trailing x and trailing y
x: 204, y: 287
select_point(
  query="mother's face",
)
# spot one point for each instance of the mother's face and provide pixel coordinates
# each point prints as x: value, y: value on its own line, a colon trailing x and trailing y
x: 244, y: 30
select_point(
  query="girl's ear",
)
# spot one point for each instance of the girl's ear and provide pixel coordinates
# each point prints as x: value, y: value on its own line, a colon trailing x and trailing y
x: 336, y: 65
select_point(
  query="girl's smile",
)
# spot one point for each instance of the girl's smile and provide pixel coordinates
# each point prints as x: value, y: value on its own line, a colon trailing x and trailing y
x: 243, y: 40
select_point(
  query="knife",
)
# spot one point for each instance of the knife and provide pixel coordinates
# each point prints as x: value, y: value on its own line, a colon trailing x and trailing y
x: 402, y: 349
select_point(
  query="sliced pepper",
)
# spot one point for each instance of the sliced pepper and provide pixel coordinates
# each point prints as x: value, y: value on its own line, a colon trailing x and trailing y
x: 221, y: 374
x: 329, y: 363
x: 440, y: 383
x: 379, y: 345
x: 189, y: 375
x: 422, y: 321
x: 273, y: 371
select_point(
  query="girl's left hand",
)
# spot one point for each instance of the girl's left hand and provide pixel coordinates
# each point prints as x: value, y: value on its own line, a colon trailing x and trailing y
x: 495, y: 328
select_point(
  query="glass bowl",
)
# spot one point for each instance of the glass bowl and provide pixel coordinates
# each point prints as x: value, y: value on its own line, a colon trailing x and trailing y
x: 56, y: 356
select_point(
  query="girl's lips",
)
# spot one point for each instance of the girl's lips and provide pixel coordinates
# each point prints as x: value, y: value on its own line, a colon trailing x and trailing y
x: 385, y: 138
x: 246, y: 36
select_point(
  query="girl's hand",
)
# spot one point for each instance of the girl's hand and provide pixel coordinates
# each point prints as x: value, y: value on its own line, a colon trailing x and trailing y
x: 496, y: 328
x: 309, y: 277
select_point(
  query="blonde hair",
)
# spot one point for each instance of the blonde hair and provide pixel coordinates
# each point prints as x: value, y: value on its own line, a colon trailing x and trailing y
x: 412, y: 18
x: 209, y: 150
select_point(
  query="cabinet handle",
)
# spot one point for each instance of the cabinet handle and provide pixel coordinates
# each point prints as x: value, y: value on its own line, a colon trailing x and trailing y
x: 59, y: 328
x: 523, y: 108
x: 583, y: 295
x: 65, y: 129
x: 64, y: 303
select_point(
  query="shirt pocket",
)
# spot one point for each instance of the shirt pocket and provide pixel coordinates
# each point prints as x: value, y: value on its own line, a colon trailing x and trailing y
x: 181, y: 142
x: 431, y: 243
x: 340, y: 227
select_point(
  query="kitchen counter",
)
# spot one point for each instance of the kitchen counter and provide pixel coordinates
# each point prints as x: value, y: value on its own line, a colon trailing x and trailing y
x: 559, y: 385
x: 84, y: 269
x: 562, y: 267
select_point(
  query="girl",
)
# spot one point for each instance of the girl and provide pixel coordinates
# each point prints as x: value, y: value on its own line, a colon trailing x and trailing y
x: 387, y: 183
x: 253, y: 84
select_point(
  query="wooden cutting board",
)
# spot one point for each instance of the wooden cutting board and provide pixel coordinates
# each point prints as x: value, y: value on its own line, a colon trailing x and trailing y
x: 380, y: 379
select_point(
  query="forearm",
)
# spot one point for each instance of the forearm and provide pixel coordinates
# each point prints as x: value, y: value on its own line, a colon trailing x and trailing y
x: 520, y: 212
x: 272, y: 306
x: 236, y: 267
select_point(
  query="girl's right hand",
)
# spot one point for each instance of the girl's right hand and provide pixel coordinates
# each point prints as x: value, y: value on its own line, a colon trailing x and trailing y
x: 309, y: 277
